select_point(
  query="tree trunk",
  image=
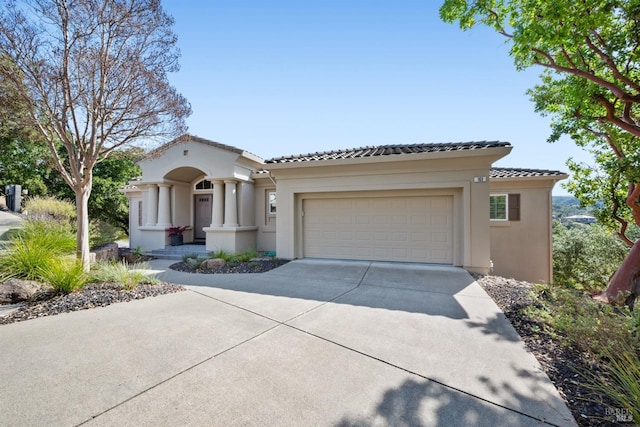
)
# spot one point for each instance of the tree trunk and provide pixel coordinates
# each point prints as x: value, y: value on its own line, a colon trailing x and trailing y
x: 82, y: 235
x: 623, y: 286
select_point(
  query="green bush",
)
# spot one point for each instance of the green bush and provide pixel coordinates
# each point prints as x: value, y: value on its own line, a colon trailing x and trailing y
x: 38, y: 245
x: 101, y: 232
x: 129, y: 276
x: 234, y: 259
x: 585, y: 256
x: 64, y: 274
x: 50, y: 208
x: 222, y: 254
x: 584, y: 324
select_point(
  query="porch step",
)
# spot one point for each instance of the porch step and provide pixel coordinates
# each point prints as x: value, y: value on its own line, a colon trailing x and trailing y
x: 177, y: 252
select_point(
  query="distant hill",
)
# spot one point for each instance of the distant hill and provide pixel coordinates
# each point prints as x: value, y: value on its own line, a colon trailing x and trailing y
x: 566, y: 206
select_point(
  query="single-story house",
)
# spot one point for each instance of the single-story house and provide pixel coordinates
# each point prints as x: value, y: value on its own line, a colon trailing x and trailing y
x: 428, y: 203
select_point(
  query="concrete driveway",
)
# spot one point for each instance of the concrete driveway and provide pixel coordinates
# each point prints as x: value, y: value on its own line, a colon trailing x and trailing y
x: 311, y: 343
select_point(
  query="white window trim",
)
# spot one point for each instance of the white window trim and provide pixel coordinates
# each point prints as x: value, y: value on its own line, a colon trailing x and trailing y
x: 506, y: 207
x: 268, y: 207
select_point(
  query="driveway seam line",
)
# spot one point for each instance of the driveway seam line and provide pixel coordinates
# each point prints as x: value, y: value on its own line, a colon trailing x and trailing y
x: 332, y: 299
x: 419, y: 375
x: 177, y: 374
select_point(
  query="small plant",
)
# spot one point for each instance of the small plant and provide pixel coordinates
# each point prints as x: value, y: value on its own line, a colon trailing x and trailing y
x: 176, y: 230
x: 121, y: 273
x: 187, y: 257
x: 138, y: 252
x: 222, y: 254
x: 65, y: 275
x: 621, y: 383
x: 247, y: 255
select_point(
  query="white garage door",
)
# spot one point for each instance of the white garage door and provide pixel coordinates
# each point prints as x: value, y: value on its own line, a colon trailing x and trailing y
x: 415, y: 229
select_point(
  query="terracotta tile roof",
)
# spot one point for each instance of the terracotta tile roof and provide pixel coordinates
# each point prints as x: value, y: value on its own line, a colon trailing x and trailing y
x: 388, y: 150
x: 523, y: 173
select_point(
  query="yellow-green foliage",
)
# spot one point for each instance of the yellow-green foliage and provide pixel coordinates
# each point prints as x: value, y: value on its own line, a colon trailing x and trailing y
x: 50, y: 208
x: 37, y: 246
x: 121, y: 273
x: 64, y: 274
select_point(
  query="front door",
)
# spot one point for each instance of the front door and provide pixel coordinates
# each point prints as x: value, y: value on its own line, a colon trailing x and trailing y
x: 202, y: 209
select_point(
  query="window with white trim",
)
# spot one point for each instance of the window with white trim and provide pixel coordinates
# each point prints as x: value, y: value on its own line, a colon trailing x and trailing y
x: 504, y: 207
x: 271, y: 202
x: 498, y: 207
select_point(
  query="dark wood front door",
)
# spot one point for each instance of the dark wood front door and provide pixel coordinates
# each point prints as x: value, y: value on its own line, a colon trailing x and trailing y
x: 202, y: 209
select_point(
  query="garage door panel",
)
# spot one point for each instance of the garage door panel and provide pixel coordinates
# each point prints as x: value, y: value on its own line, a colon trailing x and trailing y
x: 418, y: 229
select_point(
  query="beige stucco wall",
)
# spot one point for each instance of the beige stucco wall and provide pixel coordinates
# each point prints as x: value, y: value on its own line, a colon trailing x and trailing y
x: 266, y: 235
x: 522, y: 249
x: 450, y: 173
x: 180, y: 165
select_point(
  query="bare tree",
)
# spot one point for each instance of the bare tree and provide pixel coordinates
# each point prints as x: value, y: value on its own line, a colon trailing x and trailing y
x: 93, y: 75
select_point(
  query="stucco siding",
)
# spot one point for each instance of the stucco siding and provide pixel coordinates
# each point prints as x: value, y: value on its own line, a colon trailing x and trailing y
x: 522, y: 249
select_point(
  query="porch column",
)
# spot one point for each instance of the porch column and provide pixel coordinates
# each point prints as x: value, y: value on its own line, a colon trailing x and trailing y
x: 152, y: 204
x: 230, y: 203
x: 164, y: 205
x: 217, y: 206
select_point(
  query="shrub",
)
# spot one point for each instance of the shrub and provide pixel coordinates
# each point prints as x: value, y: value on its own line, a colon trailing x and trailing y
x: 584, y: 324
x: 64, y: 274
x: 585, y: 256
x: 129, y: 276
x: 101, y: 232
x: 222, y: 254
x: 34, y: 248
x: 247, y: 255
x: 50, y: 208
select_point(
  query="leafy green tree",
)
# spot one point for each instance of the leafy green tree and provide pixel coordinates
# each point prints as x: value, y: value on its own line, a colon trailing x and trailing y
x: 590, y: 55
x: 107, y: 203
x: 92, y: 76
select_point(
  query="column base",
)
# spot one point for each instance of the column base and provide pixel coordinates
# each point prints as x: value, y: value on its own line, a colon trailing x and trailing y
x: 231, y: 239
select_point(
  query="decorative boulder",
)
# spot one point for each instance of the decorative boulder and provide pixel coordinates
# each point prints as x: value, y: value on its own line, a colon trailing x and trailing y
x: 17, y: 290
x: 213, y: 263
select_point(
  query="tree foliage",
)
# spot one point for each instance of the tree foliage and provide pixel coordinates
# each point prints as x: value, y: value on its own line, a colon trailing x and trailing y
x: 92, y: 76
x: 590, y: 85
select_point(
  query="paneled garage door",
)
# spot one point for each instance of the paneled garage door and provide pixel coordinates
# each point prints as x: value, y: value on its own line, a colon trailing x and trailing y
x: 415, y: 228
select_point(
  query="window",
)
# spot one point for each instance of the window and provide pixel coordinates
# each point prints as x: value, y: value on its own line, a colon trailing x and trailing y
x: 140, y: 213
x: 204, y: 185
x: 504, y: 207
x: 271, y: 202
x: 498, y: 207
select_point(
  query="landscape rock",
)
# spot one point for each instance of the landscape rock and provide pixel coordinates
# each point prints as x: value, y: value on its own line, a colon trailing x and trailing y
x: 17, y: 290
x: 213, y: 263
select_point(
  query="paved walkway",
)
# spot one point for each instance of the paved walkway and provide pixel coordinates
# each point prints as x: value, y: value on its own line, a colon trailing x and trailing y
x: 8, y: 220
x: 310, y: 343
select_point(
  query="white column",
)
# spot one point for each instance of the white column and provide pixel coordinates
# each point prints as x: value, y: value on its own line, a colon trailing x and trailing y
x: 217, y: 204
x: 152, y: 204
x: 230, y: 203
x: 164, y: 205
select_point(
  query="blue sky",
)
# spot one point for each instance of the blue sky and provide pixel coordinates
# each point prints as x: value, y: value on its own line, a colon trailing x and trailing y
x: 292, y: 77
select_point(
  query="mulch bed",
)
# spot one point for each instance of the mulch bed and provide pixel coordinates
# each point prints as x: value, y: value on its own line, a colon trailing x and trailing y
x: 91, y: 296
x: 254, y: 266
x: 560, y: 363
